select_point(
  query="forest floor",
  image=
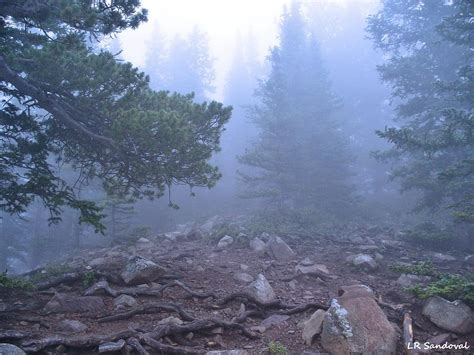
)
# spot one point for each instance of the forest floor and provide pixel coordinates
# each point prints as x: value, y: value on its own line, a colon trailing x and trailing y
x: 210, y: 274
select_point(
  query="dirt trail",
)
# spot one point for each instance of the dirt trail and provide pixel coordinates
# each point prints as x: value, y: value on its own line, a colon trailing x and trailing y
x: 206, y: 276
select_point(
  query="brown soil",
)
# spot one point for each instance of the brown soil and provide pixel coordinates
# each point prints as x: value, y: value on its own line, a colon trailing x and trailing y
x: 203, y: 268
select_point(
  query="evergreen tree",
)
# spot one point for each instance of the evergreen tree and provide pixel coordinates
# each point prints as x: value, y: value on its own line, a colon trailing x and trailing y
x: 429, y: 45
x: 300, y: 158
x: 62, y: 98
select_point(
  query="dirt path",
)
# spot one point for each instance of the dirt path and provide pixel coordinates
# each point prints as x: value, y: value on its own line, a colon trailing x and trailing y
x: 205, y: 269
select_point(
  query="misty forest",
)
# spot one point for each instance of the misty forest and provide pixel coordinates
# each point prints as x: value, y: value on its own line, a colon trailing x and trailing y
x: 236, y: 177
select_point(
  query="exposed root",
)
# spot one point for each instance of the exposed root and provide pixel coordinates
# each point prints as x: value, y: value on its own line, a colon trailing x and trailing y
x: 168, y: 349
x: 86, y: 341
x: 134, y: 343
x: 146, y: 309
x: 13, y: 334
x: 135, y: 291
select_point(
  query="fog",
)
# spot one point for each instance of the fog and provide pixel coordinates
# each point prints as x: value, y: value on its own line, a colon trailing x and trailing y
x: 267, y: 177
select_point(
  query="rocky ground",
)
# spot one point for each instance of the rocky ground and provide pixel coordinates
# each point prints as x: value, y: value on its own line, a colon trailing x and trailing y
x: 188, y: 293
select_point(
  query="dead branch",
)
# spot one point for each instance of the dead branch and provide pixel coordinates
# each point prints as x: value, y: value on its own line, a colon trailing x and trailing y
x: 407, y: 332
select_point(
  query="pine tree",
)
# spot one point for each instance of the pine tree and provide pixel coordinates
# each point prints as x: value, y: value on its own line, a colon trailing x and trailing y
x: 300, y: 158
x: 430, y: 70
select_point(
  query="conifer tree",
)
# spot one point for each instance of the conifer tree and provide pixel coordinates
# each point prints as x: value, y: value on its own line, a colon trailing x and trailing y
x: 300, y: 158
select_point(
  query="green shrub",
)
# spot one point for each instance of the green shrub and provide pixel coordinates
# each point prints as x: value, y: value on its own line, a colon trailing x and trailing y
x: 448, y: 286
x: 428, y: 234
x: 277, y: 348
x: 89, y: 278
x: 14, y: 282
x: 422, y: 268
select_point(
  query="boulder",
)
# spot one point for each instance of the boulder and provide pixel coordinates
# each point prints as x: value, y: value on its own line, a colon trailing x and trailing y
x: 10, y: 349
x: 140, y: 270
x: 355, y: 324
x: 279, y: 250
x: 261, y: 289
x: 313, y: 326
x: 453, y: 316
x: 225, y: 242
x: 75, y: 304
x: 258, y: 246
x: 364, y: 261
x: 243, y: 277
x: 70, y: 325
x: 124, y: 301
x: 112, y: 346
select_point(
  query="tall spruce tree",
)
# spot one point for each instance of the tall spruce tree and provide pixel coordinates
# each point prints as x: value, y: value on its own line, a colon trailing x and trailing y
x: 431, y: 73
x: 300, y: 159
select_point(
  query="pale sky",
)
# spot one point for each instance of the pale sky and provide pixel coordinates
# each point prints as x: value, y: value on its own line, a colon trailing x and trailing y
x: 220, y: 19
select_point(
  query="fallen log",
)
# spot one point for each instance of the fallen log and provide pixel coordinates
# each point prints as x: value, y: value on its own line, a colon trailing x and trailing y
x: 408, y: 333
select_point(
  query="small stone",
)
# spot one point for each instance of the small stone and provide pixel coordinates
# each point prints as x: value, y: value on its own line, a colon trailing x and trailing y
x: 140, y: 270
x: 258, y: 246
x: 279, y: 250
x: 170, y: 321
x: 274, y: 319
x: 70, y: 325
x: 225, y: 241
x: 124, y: 301
x: 244, y: 267
x: 261, y: 289
x: 364, y: 261
x: 306, y: 262
x: 243, y: 277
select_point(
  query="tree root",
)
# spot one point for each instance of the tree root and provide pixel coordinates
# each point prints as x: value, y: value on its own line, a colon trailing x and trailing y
x: 168, y: 349
x: 135, y: 291
x: 134, y: 343
x: 146, y: 309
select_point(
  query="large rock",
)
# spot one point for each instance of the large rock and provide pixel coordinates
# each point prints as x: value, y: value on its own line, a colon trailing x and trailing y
x: 409, y: 280
x: 258, y: 246
x: 140, y: 270
x: 454, y: 316
x: 279, y: 250
x: 73, y: 304
x: 71, y: 325
x: 313, y: 326
x: 10, y: 349
x: 355, y: 324
x: 261, y: 289
x: 225, y: 242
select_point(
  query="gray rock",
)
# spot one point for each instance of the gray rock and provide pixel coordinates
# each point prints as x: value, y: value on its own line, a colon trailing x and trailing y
x: 112, y: 346
x: 313, y: 326
x: 306, y: 262
x: 140, y: 270
x: 355, y: 324
x: 170, y: 321
x: 274, y: 319
x: 70, y: 325
x: 313, y: 269
x: 279, y: 250
x: 244, y: 267
x: 124, y: 301
x: 364, y: 261
x: 443, y: 257
x: 209, y: 225
x: 243, y: 277
x: 258, y: 246
x: 408, y: 280
x: 81, y: 304
x: 225, y: 241
x: 440, y: 339
x: 454, y: 316
x: 10, y: 349
x: 261, y: 289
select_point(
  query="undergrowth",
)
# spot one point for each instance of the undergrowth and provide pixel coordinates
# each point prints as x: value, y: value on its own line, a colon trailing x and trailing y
x: 277, y: 348
x: 14, y: 282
